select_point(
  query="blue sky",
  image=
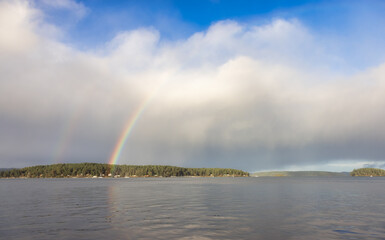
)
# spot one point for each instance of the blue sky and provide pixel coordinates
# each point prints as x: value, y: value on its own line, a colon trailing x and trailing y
x: 103, y: 19
x: 254, y: 85
x: 355, y: 23
x: 175, y: 19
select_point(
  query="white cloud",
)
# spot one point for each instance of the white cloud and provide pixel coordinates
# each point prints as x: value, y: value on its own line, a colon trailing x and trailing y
x: 234, y: 96
x: 17, y: 26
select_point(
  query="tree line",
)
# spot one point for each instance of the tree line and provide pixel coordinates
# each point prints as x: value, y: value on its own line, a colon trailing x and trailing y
x: 109, y: 170
x: 375, y: 172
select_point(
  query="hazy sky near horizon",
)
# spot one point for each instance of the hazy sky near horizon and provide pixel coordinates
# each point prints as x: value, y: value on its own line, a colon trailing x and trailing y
x: 253, y: 85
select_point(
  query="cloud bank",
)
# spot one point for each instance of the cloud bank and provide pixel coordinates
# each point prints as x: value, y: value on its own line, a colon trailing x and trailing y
x: 235, y: 95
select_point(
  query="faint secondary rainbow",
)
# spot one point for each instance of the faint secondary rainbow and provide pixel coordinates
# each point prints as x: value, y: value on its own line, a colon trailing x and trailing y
x: 128, y: 129
x: 67, y: 133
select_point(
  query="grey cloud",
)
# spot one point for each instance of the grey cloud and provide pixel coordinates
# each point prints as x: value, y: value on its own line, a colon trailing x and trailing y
x: 250, y: 97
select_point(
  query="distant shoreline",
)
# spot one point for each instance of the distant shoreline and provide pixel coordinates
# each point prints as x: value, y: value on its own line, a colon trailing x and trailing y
x: 299, y: 174
x: 100, y: 170
x: 108, y: 171
x: 122, y: 177
x: 362, y: 172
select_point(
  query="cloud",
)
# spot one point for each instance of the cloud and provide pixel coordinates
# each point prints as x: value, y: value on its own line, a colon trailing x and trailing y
x: 375, y: 165
x: 236, y: 95
x: 17, y: 26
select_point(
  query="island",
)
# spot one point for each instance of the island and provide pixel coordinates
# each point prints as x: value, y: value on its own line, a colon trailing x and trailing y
x: 368, y: 172
x: 100, y: 170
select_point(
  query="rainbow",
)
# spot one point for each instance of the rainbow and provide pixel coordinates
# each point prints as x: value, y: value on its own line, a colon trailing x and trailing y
x: 135, y: 116
x: 127, y: 130
x: 66, y: 134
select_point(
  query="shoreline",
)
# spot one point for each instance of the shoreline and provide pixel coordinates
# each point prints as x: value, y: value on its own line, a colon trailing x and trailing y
x: 124, y: 177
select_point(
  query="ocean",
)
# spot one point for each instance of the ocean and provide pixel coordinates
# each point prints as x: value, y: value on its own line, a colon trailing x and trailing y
x: 193, y: 208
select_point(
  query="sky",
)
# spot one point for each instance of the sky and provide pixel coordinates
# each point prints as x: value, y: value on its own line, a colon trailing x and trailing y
x: 252, y: 85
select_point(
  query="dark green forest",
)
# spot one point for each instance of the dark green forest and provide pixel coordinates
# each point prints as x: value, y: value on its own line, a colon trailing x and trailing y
x: 108, y: 170
x: 367, y: 172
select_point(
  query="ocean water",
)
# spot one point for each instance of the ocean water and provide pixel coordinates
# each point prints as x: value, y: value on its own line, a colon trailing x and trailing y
x: 193, y: 208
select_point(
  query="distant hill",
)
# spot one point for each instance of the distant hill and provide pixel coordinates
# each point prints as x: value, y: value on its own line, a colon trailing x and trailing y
x: 5, y: 169
x: 368, y: 172
x: 108, y: 170
x: 299, y: 174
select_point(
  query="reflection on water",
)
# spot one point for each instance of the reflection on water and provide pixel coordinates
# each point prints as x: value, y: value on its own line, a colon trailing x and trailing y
x: 193, y: 208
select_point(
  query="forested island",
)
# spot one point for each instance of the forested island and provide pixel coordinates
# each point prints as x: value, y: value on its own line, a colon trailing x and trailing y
x: 368, y: 172
x: 100, y: 170
x: 88, y: 170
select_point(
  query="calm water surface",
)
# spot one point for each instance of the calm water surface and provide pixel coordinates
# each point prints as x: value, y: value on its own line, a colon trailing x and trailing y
x: 193, y: 208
